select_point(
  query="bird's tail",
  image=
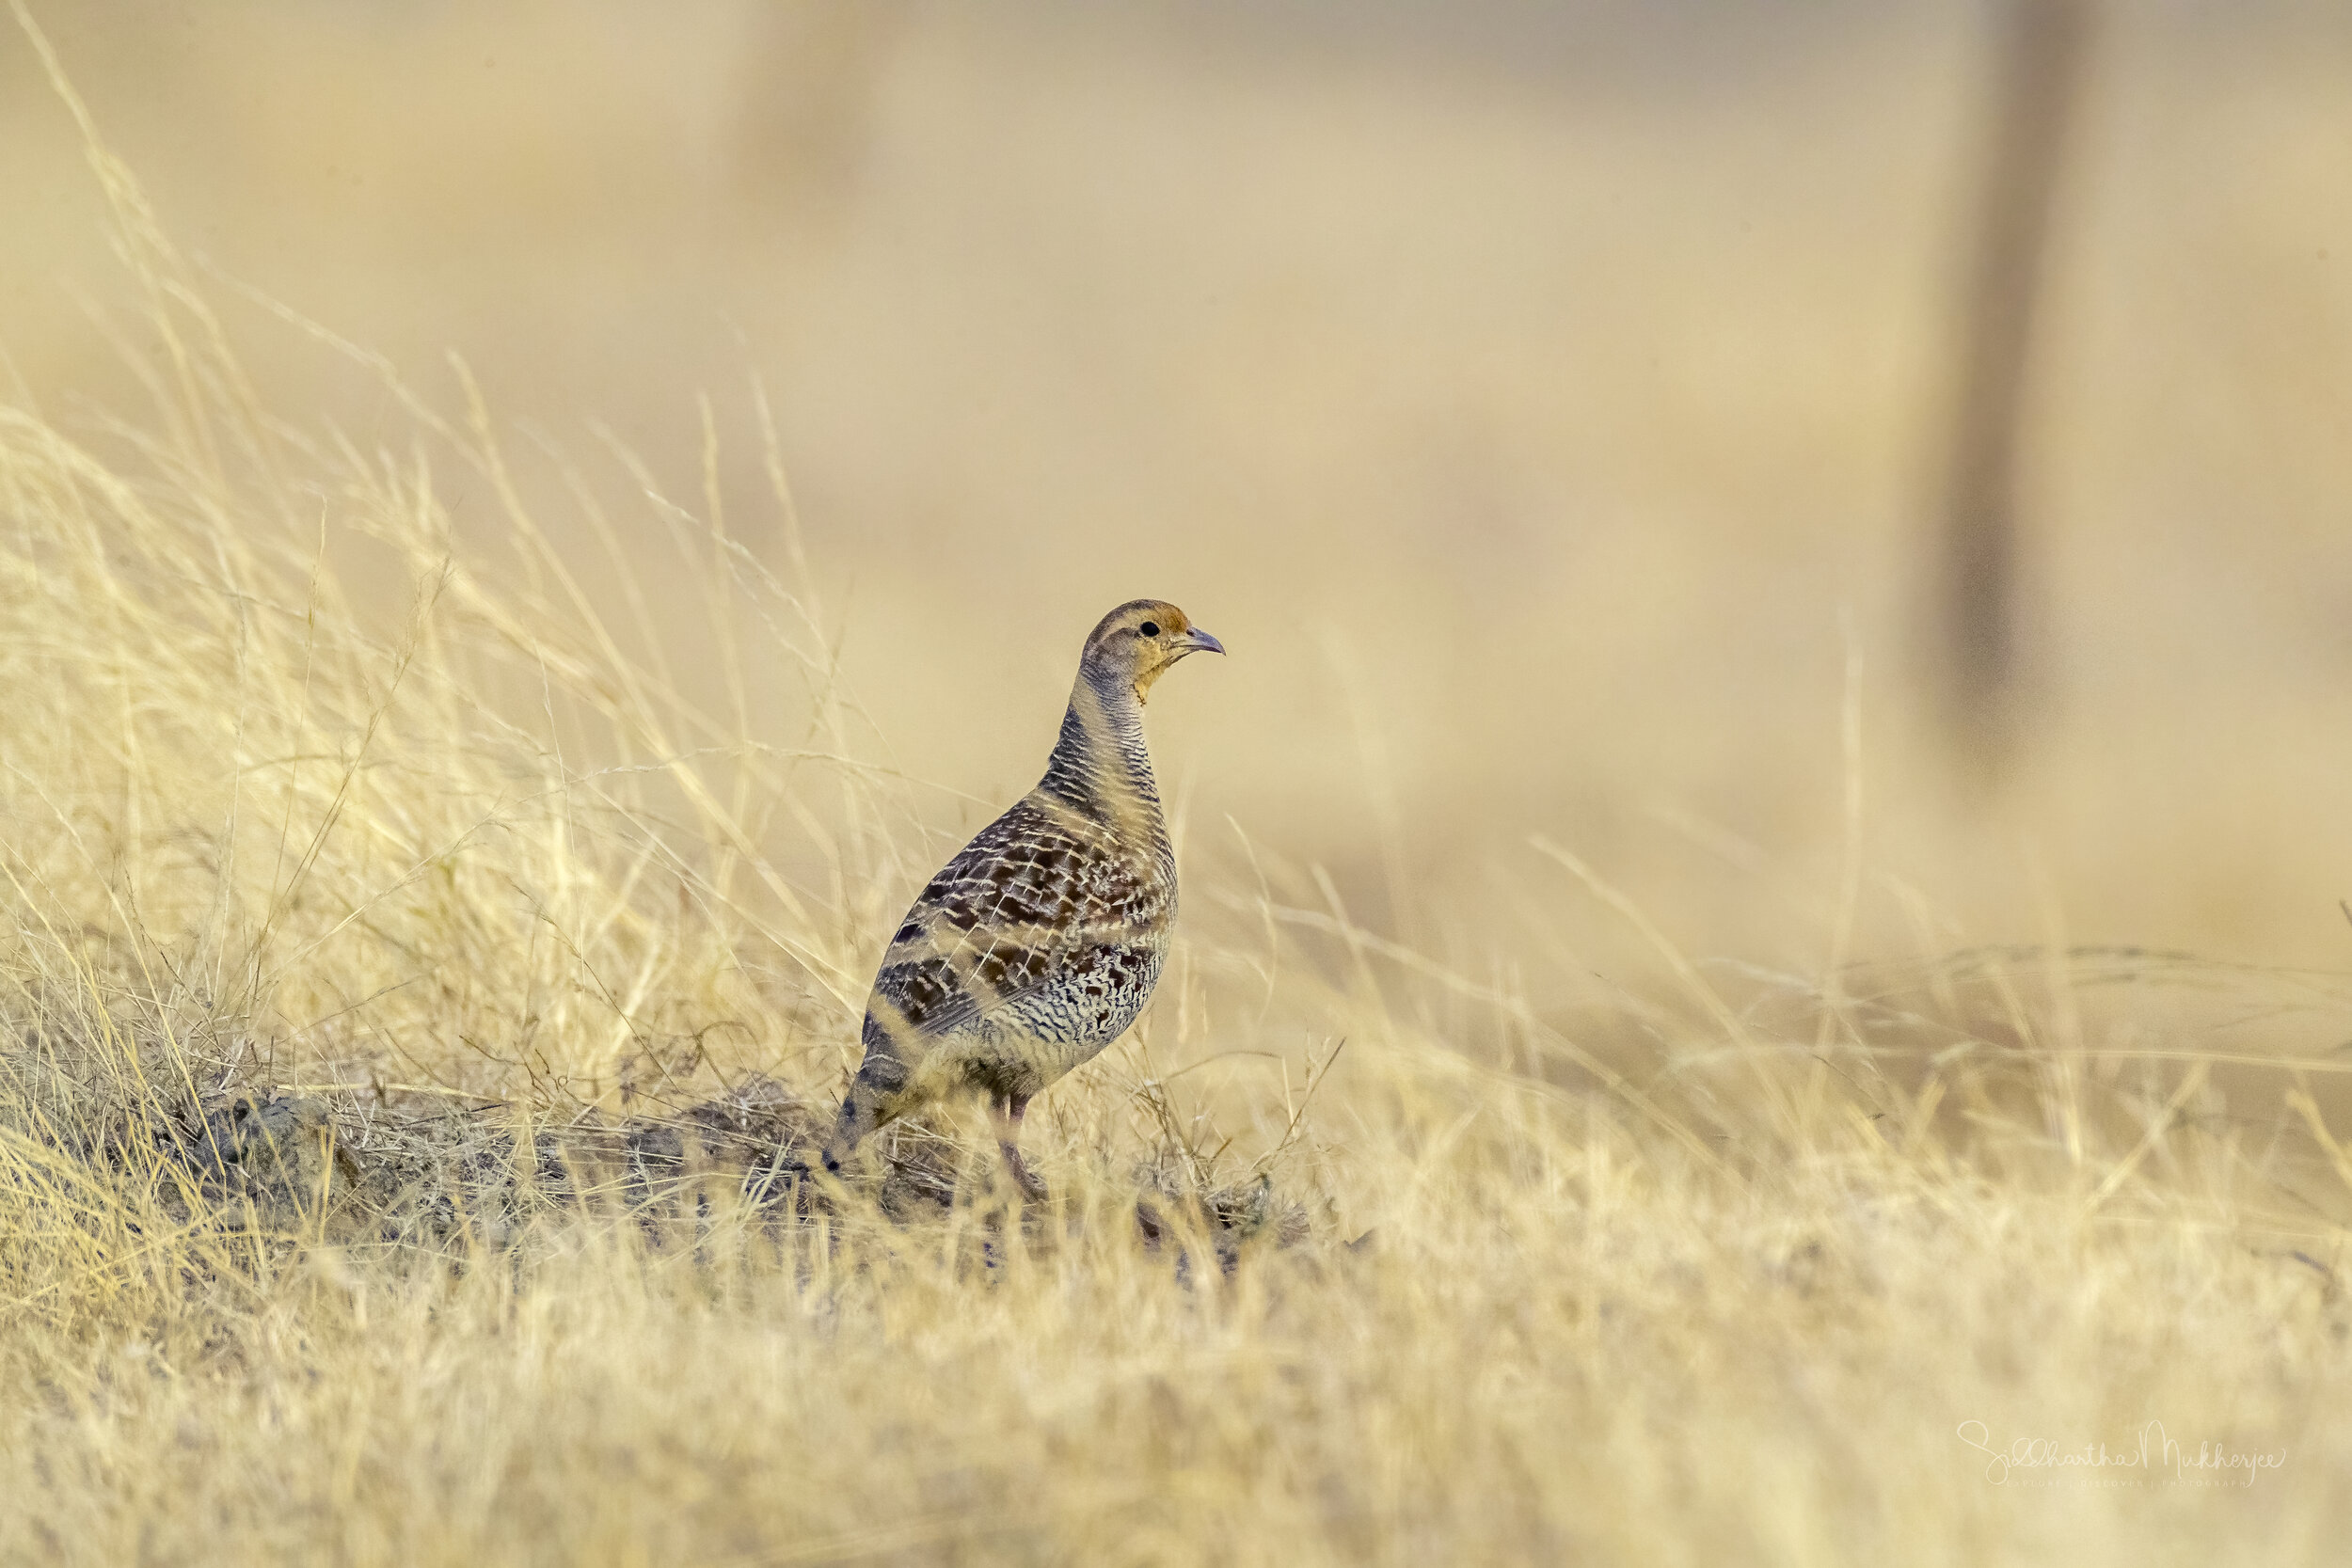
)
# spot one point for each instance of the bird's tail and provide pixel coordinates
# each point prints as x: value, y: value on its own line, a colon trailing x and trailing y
x: 867, y: 1106
x: 861, y: 1114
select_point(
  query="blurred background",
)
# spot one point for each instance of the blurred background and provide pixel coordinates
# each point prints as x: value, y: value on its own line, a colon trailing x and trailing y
x: 1557, y: 408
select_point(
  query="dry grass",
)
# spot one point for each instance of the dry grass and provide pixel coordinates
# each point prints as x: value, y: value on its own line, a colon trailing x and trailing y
x: 395, y: 1004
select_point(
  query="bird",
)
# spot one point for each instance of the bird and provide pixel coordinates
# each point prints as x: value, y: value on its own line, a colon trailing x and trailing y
x: 1039, y: 941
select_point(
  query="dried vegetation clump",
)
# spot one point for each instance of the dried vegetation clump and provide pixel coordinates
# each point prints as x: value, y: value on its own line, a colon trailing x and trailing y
x: 415, y: 1172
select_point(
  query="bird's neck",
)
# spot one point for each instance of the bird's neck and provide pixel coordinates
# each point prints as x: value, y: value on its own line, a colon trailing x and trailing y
x: 1100, y: 764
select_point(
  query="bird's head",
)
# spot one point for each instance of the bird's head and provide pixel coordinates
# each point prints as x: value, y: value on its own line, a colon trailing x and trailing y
x: 1133, y: 646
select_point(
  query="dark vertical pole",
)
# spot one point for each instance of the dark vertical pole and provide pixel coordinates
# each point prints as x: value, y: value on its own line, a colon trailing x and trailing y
x: 2038, y: 65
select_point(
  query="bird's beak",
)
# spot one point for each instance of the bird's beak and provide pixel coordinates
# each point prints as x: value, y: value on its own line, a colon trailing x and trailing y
x: 1196, y: 640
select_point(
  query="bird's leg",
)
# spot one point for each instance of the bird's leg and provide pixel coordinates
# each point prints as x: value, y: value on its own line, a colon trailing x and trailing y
x: 1006, y: 1110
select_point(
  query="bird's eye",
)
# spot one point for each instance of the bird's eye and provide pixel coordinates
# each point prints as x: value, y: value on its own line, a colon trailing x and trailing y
x: 1150, y: 628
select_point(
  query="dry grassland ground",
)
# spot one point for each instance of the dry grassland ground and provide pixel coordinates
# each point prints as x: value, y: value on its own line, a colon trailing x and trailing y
x: 410, y: 972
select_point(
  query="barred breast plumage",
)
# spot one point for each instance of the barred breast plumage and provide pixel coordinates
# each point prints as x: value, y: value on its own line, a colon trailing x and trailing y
x: 1038, y: 944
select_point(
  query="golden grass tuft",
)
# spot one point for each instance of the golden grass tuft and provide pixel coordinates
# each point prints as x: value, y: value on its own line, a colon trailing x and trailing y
x: 403, y: 973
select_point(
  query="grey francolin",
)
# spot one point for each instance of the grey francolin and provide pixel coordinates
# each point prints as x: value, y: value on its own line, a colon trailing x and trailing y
x: 1038, y: 944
